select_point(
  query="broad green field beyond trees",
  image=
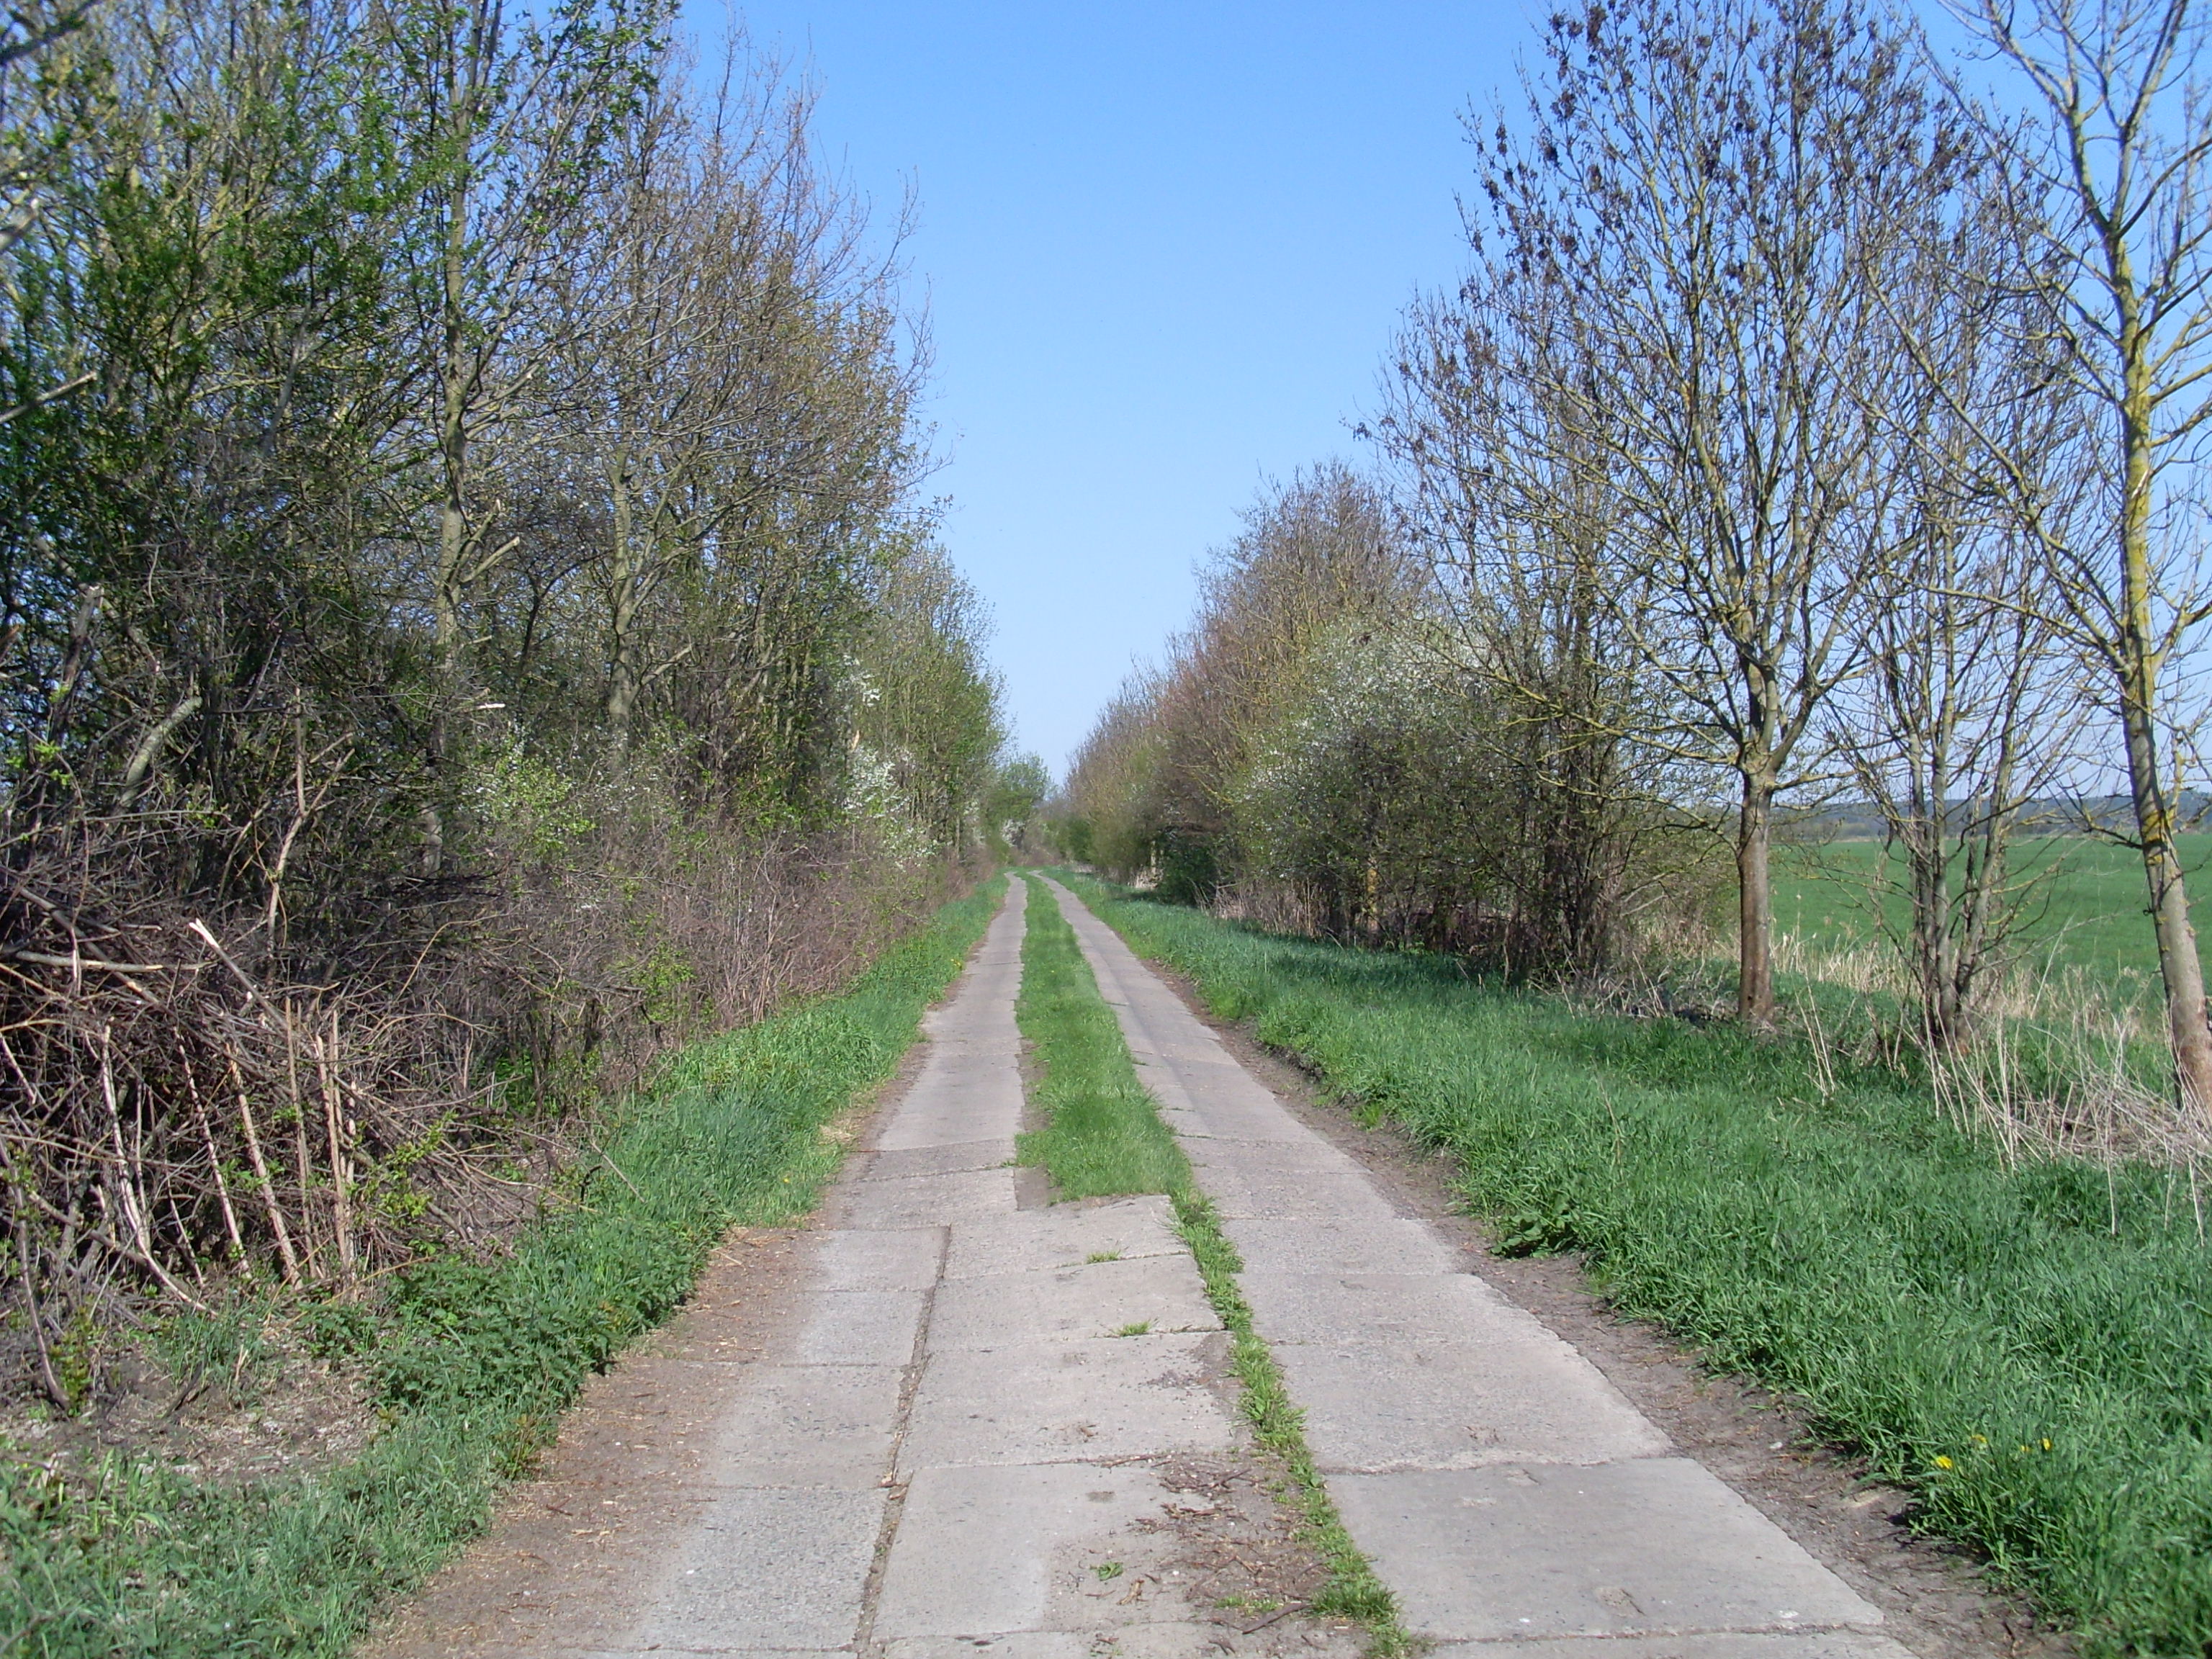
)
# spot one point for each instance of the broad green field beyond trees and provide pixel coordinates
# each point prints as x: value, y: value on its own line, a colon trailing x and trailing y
x: 2086, y: 913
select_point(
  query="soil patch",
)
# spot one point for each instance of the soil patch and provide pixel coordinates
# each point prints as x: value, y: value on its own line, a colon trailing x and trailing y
x: 1238, y: 1559
x: 285, y: 1413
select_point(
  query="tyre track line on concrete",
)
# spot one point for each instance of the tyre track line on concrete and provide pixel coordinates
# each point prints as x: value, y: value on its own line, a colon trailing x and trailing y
x: 931, y: 1444
x: 1515, y: 1503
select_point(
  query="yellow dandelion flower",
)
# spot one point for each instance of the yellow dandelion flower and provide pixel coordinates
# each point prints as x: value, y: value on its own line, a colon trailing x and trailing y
x: 1943, y: 1462
x: 1978, y: 1441
x: 2046, y: 1445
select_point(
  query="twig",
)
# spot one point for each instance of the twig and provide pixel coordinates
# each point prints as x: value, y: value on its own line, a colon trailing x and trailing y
x: 341, y: 1175
x: 215, y: 945
x: 215, y: 1157
x: 261, y: 1171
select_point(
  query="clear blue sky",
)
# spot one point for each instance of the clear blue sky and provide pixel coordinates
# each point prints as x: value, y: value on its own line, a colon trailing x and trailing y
x: 1163, y: 249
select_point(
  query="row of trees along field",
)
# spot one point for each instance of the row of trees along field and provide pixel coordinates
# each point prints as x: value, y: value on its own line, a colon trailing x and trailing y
x: 469, y: 617
x: 1819, y: 417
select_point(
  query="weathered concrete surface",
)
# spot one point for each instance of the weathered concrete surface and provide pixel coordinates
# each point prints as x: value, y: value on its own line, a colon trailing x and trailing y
x: 969, y: 1426
x: 1506, y: 1492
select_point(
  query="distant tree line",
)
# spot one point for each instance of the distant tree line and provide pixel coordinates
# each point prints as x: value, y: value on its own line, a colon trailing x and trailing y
x: 1812, y: 421
x: 468, y: 615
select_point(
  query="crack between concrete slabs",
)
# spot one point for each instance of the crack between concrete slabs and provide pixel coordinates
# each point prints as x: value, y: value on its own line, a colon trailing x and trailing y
x: 895, y: 1506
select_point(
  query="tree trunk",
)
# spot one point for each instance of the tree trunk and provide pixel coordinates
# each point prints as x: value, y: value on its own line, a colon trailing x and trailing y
x: 2177, y: 963
x: 1754, y: 999
x: 626, y: 665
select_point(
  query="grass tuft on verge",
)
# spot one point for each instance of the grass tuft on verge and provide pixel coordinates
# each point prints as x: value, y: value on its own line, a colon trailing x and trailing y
x: 470, y: 1363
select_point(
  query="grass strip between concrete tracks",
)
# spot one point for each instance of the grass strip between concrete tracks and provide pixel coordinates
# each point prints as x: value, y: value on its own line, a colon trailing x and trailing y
x: 1103, y: 1136
x: 2027, y: 1347
x: 469, y: 1363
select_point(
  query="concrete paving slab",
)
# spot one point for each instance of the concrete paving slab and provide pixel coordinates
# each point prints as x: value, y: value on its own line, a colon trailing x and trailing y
x: 694, y: 1426
x: 859, y: 1327
x: 1276, y: 1127
x: 1705, y: 1644
x: 1383, y: 1406
x: 983, y: 1551
x: 961, y: 1114
x: 1070, y: 1303
x: 1062, y: 1235
x: 1293, y: 1158
x: 783, y: 1570
x: 1307, y: 1246
x: 806, y: 1425
x: 920, y: 1200
x: 1117, y: 1397
x: 1332, y: 1307
x: 1656, y: 1546
x: 1308, y: 1194
x: 1164, y: 1640
x: 1469, y: 1378
x: 947, y: 1159
x: 974, y: 1096
x: 878, y: 1259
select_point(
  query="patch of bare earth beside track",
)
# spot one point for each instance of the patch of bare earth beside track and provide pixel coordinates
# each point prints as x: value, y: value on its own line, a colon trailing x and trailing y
x: 1935, y: 1598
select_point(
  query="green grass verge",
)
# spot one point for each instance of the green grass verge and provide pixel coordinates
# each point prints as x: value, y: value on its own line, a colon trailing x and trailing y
x: 470, y: 1362
x: 2029, y: 1350
x: 1103, y: 1136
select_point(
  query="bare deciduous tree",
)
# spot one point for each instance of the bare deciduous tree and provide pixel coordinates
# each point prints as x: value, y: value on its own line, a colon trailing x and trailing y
x: 1966, y: 717
x: 1704, y: 181
x: 2117, y: 243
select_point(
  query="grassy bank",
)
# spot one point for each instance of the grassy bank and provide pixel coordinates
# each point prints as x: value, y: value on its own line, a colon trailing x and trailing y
x: 470, y: 1364
x: 2029, y: 1350
x: 1103, y: 1136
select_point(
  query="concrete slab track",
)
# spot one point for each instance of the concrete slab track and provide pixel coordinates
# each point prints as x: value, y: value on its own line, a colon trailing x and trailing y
x: 932, y: 1441
x: 1509, y: 1496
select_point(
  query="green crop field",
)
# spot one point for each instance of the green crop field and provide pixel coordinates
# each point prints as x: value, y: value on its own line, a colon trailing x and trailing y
x: 2086, y: 911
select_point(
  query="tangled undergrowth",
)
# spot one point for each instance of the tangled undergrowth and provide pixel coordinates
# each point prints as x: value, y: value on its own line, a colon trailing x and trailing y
x: 468, y: 1362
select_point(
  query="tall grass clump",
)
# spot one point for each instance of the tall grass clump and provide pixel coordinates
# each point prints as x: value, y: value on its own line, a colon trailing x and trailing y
x: 2025, y: 1343
x: 469, y: 1362
x: 1101, y: 1134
